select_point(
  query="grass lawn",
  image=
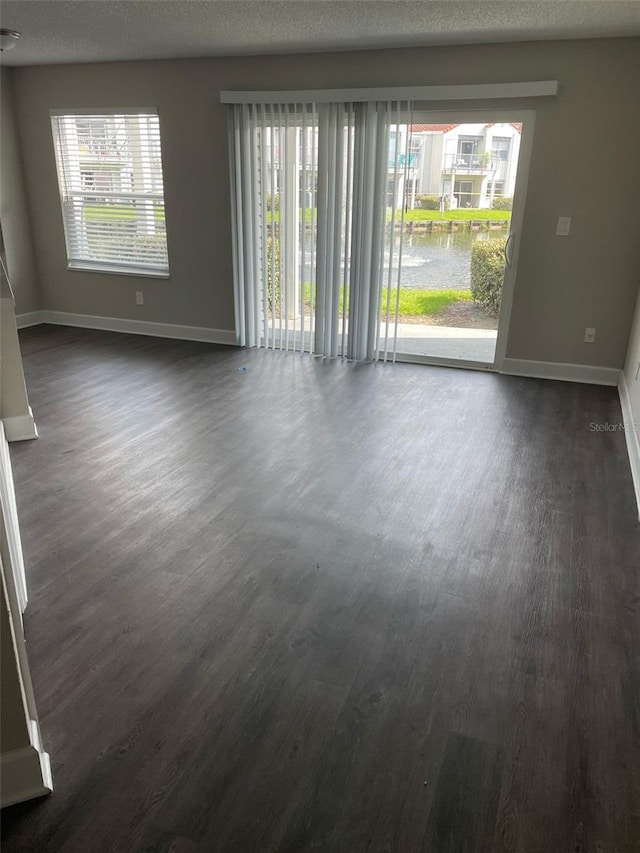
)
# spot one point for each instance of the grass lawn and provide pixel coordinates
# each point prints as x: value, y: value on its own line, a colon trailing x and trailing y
x: 413, y: 303
x: 117, y: 213
x: 419, y: 215
x: 462, y: 215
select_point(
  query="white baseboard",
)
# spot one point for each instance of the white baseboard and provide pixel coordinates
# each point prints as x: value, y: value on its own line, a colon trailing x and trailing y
x: 20, y: 427
x: 31, y: 318
x: 25, y: 773
x: 632, y: 435
x: 132, y: 327
x: 558, y: 370
x: 511, y: 366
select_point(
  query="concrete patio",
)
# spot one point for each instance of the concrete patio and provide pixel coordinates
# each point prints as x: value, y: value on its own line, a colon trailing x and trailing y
x: 437, y: 342
x: 446, y: 342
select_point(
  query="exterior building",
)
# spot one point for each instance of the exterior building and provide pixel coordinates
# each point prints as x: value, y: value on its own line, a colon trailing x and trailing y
x: 101, y: 153
x: 466, y: 165
x: 461, y: 165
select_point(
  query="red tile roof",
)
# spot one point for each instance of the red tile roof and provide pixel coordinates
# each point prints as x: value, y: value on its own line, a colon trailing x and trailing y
x: 432, y: 128
x: 445, y: 128
x: 516, y: 124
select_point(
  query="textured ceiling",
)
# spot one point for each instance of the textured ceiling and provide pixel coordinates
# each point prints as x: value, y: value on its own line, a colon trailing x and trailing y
x: 55, y: 31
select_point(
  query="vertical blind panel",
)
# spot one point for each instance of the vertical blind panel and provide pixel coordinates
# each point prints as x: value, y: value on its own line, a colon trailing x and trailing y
x: 316, y: 245
x: 273, y: 152
x: 397, y: 201
x: 111, y: 189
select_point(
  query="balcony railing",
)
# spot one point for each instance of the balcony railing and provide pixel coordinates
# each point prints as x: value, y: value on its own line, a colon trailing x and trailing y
x: 100, y: 147
x: 472, y: 163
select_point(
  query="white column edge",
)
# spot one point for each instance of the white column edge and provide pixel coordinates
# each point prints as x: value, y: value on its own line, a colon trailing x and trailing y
x: 631, y: 434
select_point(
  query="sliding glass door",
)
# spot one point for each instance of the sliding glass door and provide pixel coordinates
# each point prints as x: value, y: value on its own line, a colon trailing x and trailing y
x: 372, y: 231
x: 467, y: 172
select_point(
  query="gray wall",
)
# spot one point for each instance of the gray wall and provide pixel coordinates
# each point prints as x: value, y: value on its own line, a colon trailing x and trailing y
x: 14, y: 216
x: 585, y: 163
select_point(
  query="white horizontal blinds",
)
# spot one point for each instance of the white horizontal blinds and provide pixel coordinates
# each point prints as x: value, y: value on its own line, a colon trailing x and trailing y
x: 110, y: 177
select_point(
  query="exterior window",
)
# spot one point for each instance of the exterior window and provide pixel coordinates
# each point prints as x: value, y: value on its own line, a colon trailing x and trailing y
x: 111, y: 191
x: 500, y: 148
x: 468, y: 152
x: 463, y: 192
x: 87, y: 179
x: 500, y: 151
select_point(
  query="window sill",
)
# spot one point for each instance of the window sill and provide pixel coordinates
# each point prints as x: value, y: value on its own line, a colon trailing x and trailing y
x: 126, y: 271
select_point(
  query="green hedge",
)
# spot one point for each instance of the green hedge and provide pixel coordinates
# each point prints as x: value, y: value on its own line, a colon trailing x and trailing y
x: 273, y: 273
x: 504, y: 202
x: 273, y: 202
x: 487, y: 273
x: 431, y: 202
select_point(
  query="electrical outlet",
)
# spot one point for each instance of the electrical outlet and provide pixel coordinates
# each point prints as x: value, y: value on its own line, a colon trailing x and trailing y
x: 589, y: 336
x: 564, y: 226
x: 139, y: 297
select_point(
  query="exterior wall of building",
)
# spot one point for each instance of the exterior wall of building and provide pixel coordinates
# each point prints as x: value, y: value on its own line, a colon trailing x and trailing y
x: 471, y: 175
x: 429, y: 179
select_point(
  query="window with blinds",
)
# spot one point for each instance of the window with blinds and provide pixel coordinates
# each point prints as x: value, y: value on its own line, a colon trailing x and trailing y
x: 111, y: 191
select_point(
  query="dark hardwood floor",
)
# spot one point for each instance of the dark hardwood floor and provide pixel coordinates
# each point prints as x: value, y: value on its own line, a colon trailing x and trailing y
x: 316, y: 606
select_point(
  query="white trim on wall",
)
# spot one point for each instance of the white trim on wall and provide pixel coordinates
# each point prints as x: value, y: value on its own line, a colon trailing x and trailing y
x: 20, y: 427
x: 26, y: 772
x: 528, y: 119
x: 465, y: 92
x: 632, y: 435
x: 30, y: 318
x: 558, y: 370
x: 132, y: 327
x: 511, y: 366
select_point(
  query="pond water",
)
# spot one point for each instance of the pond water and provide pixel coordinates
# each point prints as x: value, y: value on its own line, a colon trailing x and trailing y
x: 432, y: 261
x: 437, y: 260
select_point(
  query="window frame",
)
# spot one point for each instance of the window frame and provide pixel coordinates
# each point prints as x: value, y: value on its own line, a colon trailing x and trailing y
x: 107, y: 266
